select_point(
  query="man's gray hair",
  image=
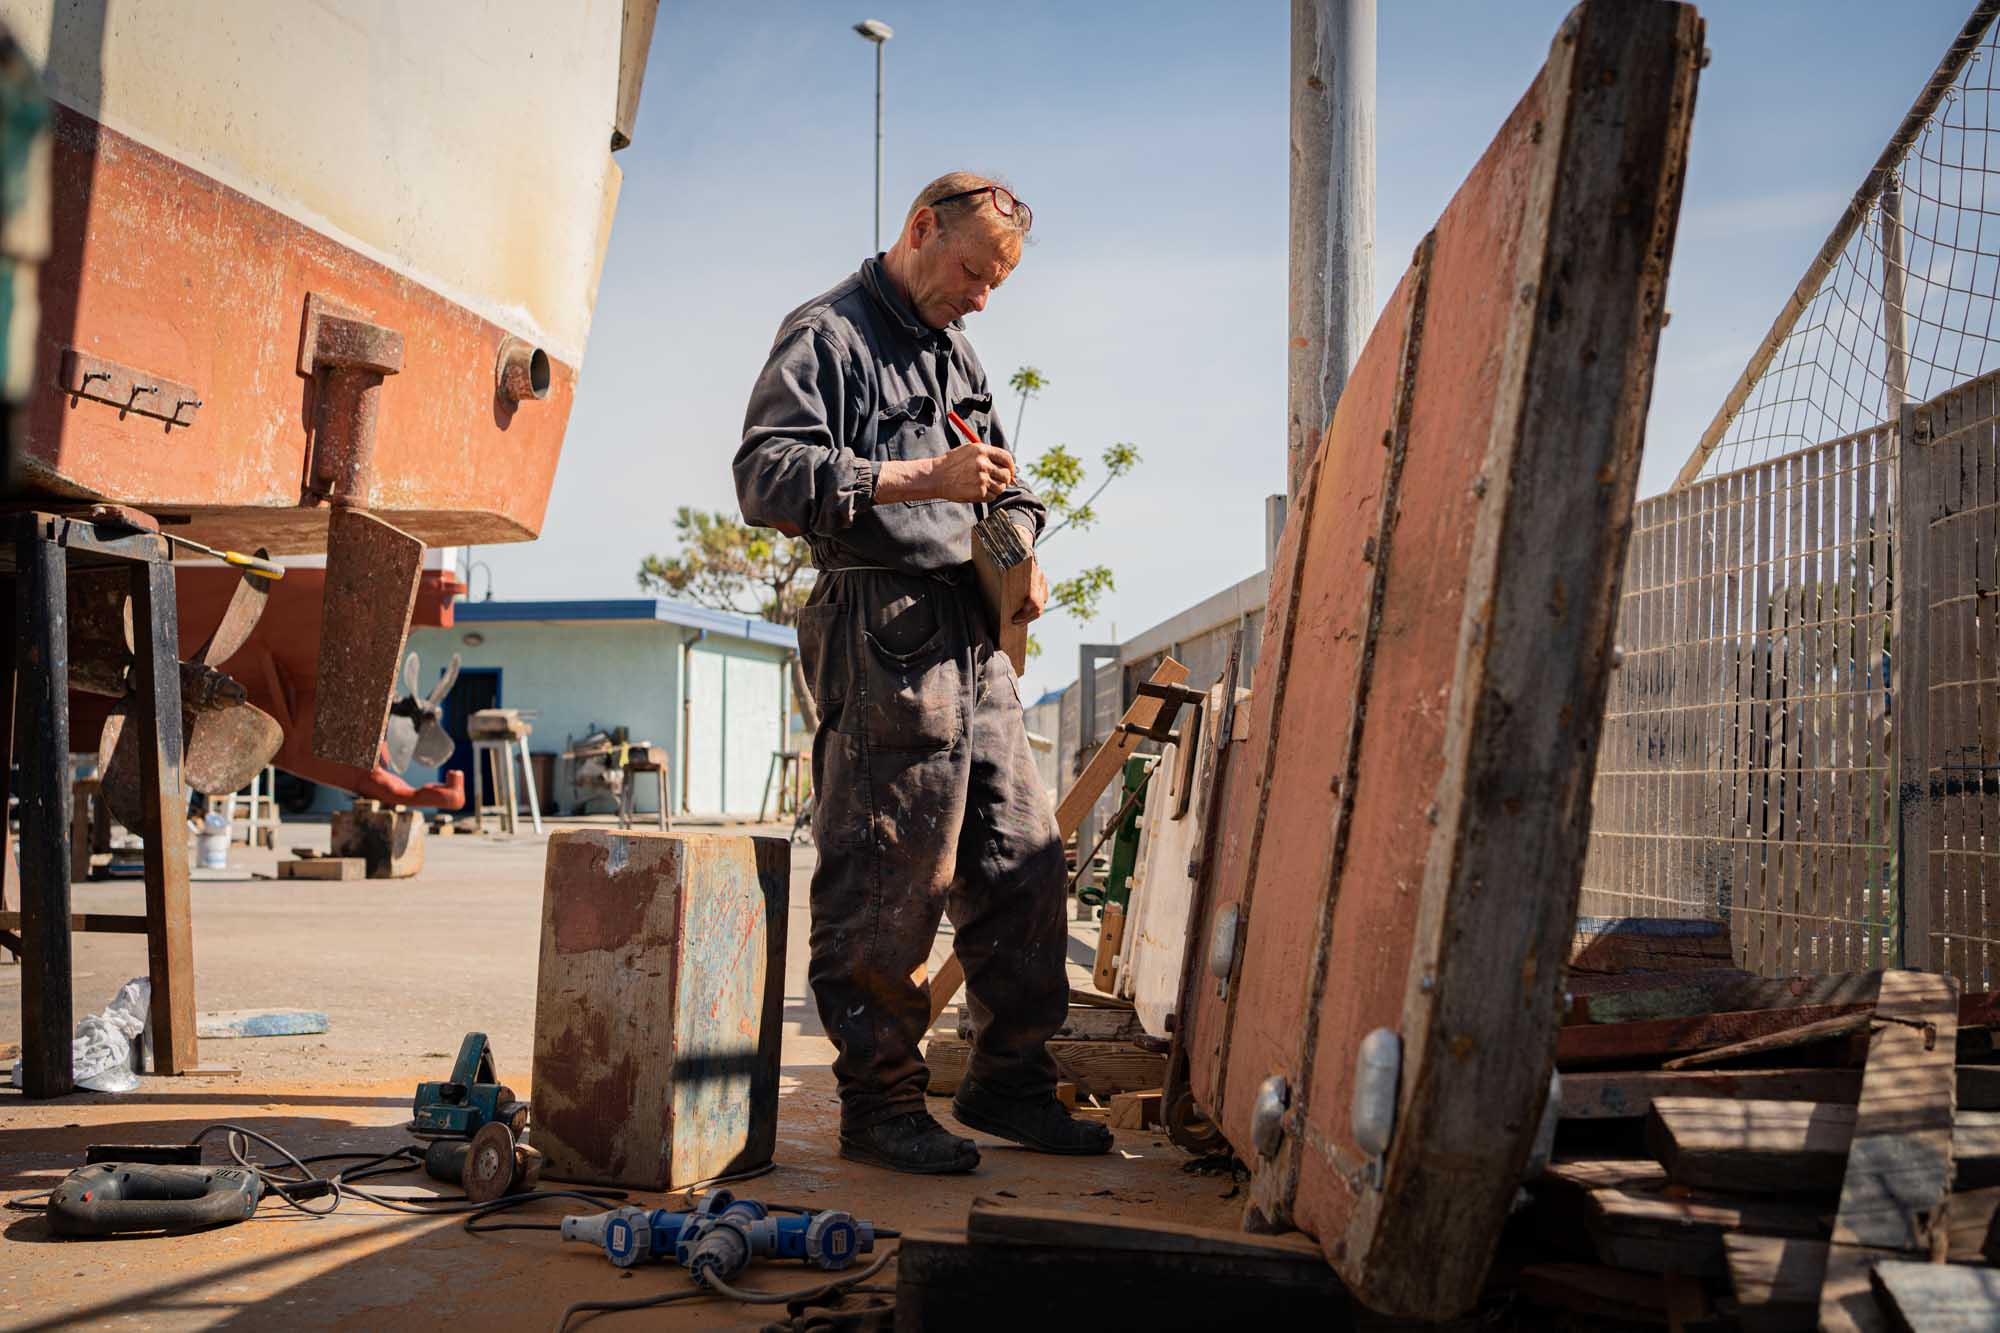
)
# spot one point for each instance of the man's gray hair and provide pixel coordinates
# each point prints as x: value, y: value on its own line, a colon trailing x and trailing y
x: 958, y: 182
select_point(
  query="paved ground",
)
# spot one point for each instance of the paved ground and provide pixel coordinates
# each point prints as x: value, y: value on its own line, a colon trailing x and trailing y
x: 404, y: 969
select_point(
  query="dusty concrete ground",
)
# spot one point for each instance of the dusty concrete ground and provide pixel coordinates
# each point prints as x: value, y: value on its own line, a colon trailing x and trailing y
x: 404, y: 969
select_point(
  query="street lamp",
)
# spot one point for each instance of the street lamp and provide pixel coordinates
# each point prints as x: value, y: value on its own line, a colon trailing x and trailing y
x: 878, y: 32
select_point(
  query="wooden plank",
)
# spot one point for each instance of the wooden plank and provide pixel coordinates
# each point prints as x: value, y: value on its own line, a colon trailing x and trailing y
x: 163, y: 799
x: 1657, y: 995
x: 1899, y: 1169
x: 1624, y: 1095
x: 1938, y: 1298
x: 1100, y: 1068
x: 41, y: 731
x: 1661, y: 1228
x: 1785, y: 1147
x: 324, y: 867
x: 1803, y: 1035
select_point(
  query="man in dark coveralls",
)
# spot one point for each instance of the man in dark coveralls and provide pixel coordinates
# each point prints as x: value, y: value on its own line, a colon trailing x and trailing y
x: 925, y: 796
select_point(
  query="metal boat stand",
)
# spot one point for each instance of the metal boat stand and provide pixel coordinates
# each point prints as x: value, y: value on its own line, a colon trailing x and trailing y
x: 37, y: 553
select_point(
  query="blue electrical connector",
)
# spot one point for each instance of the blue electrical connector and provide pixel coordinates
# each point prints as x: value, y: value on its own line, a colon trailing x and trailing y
x: 722, y: 1235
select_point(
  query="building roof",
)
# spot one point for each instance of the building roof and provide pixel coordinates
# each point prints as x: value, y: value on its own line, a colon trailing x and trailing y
x: 562, y: 611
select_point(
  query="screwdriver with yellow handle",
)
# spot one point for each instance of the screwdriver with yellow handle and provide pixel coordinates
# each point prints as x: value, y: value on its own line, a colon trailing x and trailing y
x: 124, y: 516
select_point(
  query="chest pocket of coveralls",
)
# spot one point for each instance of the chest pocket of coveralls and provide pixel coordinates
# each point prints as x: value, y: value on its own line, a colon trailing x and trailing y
x: 911, y: 677
x: 911, y: 429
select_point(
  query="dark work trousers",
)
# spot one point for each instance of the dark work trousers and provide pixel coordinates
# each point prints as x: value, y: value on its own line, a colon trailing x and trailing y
x: 926, y: 801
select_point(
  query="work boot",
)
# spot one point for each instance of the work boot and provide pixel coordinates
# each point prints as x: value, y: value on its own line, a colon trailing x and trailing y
x: 912, y: 1142
x: 1039, y: 1122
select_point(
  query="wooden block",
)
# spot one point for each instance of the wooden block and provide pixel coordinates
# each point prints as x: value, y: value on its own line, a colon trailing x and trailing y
x: 660, y: 1004
x: 1003, y: 561
x: 1649, y: 944
x: 1583, y: 1044
x: 1939, y: 1298
x: 1899, y: 1167
x: 1787, y: 1147
x: 389, y: 842
x: 1110, y: 939
x: 1074, y: 1270
x: 1135, y: 1110
x: 324, y: 867
x: 1100, y: 1068
x: 1066, y: 1093
x: 1639, y: 996
x: 1803, y: 1035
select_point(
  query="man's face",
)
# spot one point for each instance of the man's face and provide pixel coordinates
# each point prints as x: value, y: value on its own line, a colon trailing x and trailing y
x: 956, y: 270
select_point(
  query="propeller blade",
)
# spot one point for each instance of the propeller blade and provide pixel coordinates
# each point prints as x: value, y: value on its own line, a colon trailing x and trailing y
x: 246, y: 608
x: 118, y: 769
x: 400, y: 736
x: 434, y: 744
x: 226, y: 747
x: 410, y: 675
x: 443, y: 687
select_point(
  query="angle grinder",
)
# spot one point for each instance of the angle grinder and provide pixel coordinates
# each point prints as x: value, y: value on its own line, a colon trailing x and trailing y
x: 489, y: 1165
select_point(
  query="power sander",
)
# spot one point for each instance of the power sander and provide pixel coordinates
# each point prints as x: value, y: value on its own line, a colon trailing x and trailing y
x: 722, y: 1235
x: 477, y: 1127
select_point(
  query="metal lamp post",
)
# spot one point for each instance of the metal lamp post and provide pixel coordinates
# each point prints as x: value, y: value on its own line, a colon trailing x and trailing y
x: 878, y: 32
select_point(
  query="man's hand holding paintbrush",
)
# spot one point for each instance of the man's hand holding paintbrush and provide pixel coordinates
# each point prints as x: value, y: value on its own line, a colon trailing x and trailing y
x: 981, y: 455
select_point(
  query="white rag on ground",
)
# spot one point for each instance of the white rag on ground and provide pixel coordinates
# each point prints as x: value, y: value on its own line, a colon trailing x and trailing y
x: 101, y: 1054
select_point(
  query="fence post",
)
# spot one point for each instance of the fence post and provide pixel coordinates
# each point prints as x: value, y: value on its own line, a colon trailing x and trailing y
x: 1910, y: 691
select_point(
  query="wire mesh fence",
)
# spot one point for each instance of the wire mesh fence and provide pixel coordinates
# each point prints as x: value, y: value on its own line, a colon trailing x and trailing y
x: 1903, y: 300
x: 1951, y: 704
x: 1746, y: 771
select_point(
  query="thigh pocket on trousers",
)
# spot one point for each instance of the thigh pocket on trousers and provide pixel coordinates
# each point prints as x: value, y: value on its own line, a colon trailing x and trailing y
x: 911, y: 677
x: 826, y: 656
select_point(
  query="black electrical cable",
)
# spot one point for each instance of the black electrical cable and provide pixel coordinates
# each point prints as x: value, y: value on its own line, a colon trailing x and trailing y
x: 715, y: 1286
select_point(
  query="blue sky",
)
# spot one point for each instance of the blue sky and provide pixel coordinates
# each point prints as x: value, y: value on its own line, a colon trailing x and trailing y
x: 1152, y: 141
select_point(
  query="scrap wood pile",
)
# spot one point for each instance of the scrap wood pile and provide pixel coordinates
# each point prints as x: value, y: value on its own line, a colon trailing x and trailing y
x: 1737, y: 1151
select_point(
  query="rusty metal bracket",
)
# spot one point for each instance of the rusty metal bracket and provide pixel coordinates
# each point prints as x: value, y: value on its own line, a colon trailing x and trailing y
x: 347, y: 358
x: 81, y: 375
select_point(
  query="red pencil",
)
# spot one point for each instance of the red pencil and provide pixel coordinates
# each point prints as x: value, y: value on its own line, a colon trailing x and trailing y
x: 959, y: 422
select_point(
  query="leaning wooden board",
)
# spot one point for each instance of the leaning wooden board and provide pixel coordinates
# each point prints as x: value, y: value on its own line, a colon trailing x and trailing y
x: 1407, y: 821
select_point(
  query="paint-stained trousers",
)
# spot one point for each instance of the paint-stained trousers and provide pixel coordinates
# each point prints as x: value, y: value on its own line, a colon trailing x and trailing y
x: 926, y: 801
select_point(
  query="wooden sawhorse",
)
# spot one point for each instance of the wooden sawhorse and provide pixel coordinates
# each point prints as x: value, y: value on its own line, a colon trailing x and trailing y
x: 37, y: 551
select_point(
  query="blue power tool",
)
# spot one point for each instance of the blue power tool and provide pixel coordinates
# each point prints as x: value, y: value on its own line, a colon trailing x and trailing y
x: 722, y: 1235
x: 472, y: 1098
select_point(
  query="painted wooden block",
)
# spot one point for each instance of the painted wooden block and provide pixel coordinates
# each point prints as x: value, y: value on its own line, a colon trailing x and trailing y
x: 660, y: 1005
x: 1406, y: 825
